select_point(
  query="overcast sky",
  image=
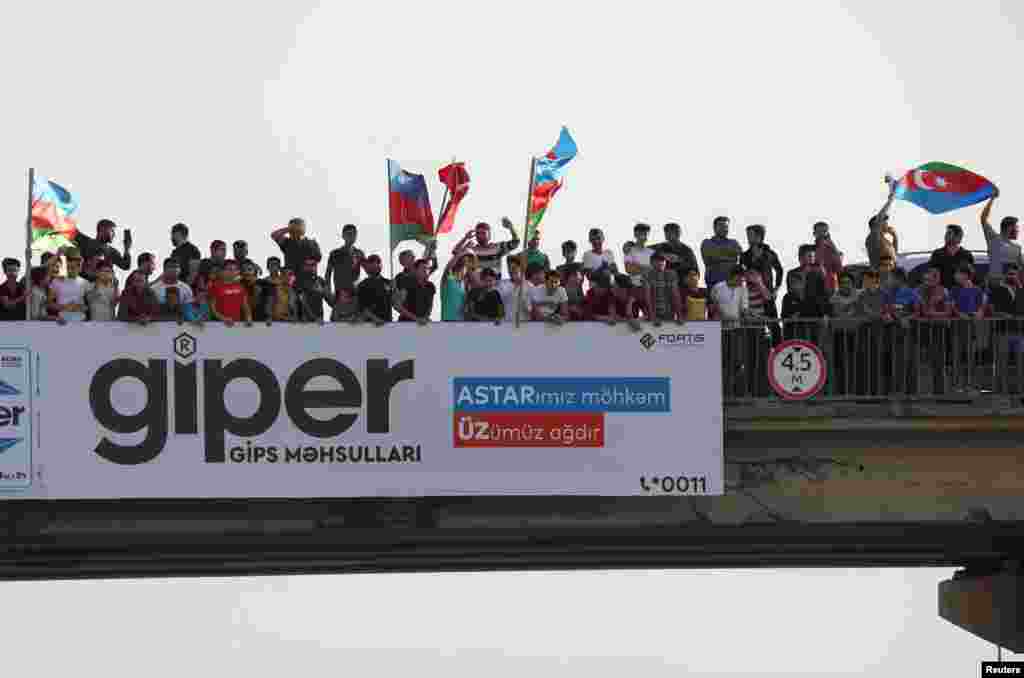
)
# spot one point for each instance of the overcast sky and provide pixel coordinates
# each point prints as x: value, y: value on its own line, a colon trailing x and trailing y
x: 233, y: 117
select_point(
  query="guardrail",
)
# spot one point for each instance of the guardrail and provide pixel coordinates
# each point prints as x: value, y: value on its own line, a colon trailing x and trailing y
x: 874, y: 359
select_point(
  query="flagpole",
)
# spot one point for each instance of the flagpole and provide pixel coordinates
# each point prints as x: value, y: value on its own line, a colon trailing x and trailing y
x: 28, y: 245
x: 387, y: 220
x: 526, y: 228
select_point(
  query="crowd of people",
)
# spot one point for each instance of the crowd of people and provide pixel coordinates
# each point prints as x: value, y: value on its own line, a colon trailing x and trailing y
x: 491, y: 280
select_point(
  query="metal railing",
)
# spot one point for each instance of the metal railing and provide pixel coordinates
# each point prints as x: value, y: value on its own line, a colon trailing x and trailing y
x: 874, y: 359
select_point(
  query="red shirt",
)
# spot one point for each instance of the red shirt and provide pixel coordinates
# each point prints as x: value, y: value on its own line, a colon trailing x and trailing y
x: 228, y: 298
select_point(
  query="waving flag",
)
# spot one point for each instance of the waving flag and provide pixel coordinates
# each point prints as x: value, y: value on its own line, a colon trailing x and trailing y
x: 411, y: 217
x: 54, y: 220
x: 456, y: 179
x: 939, y: 187
x: 547, y: 179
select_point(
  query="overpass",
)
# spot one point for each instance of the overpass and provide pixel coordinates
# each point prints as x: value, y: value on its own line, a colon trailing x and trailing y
x: 902, y: 480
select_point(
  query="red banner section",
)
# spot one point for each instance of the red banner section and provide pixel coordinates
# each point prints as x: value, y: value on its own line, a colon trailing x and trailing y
x: 528, y: 429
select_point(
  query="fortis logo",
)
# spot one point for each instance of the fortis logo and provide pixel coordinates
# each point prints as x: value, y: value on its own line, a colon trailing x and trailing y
x: 217, y: 420
x: 649, y: 341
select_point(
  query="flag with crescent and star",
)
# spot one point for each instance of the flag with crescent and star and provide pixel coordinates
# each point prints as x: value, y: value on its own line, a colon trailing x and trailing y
x: 409, y: 206
x: 939, y: 187
x: 547, y: 179
x: 54, y: 215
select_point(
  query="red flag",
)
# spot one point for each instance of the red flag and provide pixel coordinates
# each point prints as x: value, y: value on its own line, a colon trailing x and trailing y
x: 456, y: 179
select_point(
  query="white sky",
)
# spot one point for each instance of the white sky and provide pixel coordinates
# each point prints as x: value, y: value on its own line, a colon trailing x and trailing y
x: 234, y: 117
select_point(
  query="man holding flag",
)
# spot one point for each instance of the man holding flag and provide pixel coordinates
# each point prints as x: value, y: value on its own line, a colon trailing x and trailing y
x: 1002, y: 246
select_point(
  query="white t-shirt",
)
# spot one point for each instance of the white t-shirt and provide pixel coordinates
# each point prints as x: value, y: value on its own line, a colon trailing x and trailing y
x: 70, y: 291
x: 732, y: 302
x: 593, y: 261
x: 546, y: 302
x: 640, y: 256
x: 160, y: 289
x: 509, y: 294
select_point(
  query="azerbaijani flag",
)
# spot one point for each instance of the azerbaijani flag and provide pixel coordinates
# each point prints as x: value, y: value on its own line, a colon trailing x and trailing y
x: 410, y: 214
x: 456, y: 179
x: 939, y: 187
x: 54, y: 220
x: 547, y: 179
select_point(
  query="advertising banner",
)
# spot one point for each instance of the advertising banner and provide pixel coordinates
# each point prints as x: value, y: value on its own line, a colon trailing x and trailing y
x: 111, y: 410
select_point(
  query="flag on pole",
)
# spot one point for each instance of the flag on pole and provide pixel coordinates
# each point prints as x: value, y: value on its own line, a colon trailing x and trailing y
x: 54, y: 216
x: 456, y: 179
x: 409, y: 206
x: 547, y: 179
x: 939, y: 187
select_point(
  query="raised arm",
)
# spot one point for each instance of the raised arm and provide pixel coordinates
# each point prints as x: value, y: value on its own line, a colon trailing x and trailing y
x: 513, y: 244
x: 986, y: 214
x: 278, y: 234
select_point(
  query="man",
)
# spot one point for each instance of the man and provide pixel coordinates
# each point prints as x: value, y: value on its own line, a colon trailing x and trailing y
x: 210, y: 269
x: 597, y: 258
x: 569, y: 250
x: 827, y: 256
x: 407, y: 260
x: 661, y: 287
x: 344, y: 264
x: 13, y: 294
x: 295, y: 246
x: 763, y: 259
x: 534, y: 255
x: 1002, y: 249
x: 100, y: 245
x: 491, y: 254
x: 1007, y: 296
x: 415, y: 299
x: 228, y: 300
x: 312, y: 292
x: 679, y: 256
x: 721, y: 254
x: 184, y: 251
x: 67, y: 294
x: 146, y: 266
x: 882, y: 238
x: 515, y: 293
x: 170, y: 291
x: 240, y: 249
x: 548, y: 299
x: 731, y: 299
x: 949, y: 258
x: 375, y: 293
x: 809, y: 266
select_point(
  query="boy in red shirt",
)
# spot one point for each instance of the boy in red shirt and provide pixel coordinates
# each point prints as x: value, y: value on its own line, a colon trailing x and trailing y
x: 228, y: 299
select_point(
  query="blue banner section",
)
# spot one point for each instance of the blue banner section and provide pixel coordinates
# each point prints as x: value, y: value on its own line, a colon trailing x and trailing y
x: 562, y: 394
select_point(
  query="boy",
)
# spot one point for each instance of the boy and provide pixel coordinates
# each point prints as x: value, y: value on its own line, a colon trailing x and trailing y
x: 228, y: 300
x: 483, y: 303
x: 661, y: 287
x: 569, y: 253
x: 694, y: 298
x: 548, y: 298
x: 346, y: 308
x: 573, y: 286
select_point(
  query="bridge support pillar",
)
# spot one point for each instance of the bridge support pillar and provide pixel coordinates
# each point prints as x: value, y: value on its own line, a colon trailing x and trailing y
x: 988, y: 603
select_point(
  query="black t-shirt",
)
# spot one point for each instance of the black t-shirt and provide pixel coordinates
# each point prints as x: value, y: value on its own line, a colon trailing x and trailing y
x: 949, y: 263
x: 767, y: 265
x: 419, y: 299
x: 311, y: 299
x: 295, y: 253
x: 340, y: 263
x: 374, y: 295
x: 183, y: 254
x: 485, y: 303
x: 679, y: 257
x: 16, y: 312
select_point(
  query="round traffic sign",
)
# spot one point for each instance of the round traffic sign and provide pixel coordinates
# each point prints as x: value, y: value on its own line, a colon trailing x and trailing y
x: 796, y: 369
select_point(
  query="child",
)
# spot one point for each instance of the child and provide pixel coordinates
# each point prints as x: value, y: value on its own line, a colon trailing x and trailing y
x: 970, y: 300
x: 483, y: 303
x: 845, y: 299
x: 569, y: 252
x: 38, y: 304
x: 346, y: 308
x: 102, y: 297
x: 198, y: 310
x: 694, y: 297
x: 662, y: 291
x: 572, y: 283
x: 548, y: 298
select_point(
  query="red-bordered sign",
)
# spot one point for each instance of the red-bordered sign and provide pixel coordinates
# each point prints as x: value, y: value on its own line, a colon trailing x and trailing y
x: 797, y: 369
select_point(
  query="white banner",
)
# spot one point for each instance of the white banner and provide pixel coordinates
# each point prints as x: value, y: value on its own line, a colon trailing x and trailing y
x: 111, y: 410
